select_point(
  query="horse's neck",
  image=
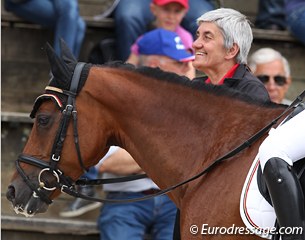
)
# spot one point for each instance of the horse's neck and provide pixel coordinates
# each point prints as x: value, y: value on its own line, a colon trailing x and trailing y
x: 157, y: 121
x: 167, y: 128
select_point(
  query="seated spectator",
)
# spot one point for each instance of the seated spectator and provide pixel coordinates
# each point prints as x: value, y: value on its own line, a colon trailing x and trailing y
x: 163, y: 49
x: 125, y: 221
x: 273, y: 70
x: 168, y: 15
x: 295, y: 16
x: 133, y: 18
x: 61, y: 15
x: 271, y: 15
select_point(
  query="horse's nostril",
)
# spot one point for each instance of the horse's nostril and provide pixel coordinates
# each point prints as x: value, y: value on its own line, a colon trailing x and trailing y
x: 10, y: 194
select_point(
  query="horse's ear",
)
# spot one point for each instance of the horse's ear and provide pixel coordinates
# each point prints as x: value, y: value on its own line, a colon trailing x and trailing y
x: 58, y: 67
x: 67, y: 55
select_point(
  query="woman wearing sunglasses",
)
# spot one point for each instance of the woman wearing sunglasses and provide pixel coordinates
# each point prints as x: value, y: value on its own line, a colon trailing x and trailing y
x: 269, y: 66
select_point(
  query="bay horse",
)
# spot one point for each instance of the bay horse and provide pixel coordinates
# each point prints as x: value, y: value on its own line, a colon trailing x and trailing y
x: 173, y: 127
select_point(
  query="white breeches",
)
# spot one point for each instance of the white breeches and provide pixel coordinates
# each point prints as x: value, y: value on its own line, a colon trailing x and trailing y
x: 286, y: 142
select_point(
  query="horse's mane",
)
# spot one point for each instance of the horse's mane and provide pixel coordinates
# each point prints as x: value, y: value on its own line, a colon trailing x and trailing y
x: 157, y: 73
x: 199, y: 85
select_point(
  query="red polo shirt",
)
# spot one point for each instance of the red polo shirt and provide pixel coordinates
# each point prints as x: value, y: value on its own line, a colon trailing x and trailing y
x: 229, y: 74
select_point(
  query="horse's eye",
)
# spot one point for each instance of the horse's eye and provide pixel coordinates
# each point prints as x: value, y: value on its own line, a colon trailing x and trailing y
x: 42, y: 120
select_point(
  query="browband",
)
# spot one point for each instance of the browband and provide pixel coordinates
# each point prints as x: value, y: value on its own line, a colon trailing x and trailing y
x: 42, y: 97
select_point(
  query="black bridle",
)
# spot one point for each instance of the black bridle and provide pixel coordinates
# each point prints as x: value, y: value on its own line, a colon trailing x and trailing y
x: 52, y: 166
x: 62, y: 182
x: 65, y: 184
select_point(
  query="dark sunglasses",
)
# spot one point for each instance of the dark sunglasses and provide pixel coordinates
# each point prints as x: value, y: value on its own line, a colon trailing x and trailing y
x: 279, y: 80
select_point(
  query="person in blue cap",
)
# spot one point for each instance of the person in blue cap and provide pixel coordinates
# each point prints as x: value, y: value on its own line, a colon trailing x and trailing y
x: 164, y: 49
x: 168, y: 15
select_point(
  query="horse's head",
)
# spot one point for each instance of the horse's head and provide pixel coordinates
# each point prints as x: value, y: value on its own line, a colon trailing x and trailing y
x: 51, y: 159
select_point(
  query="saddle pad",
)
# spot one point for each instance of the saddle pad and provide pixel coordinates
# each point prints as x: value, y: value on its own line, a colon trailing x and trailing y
x: 257, y: 214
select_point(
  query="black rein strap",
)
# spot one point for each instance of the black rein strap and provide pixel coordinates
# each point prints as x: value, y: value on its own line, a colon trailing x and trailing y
x: 101, y: 181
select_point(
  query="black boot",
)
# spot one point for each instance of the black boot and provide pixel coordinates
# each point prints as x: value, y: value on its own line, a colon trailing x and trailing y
x: 286, y: 196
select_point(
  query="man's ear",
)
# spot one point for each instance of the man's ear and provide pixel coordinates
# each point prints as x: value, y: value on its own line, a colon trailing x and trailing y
x: 232, y: 52
x: 153, y: 7
x: 287, y: 85
x: 288, y: 81
x: 152, y: 61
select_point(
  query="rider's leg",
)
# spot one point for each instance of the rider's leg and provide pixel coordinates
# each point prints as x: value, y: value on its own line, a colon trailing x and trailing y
x: 286, y: 195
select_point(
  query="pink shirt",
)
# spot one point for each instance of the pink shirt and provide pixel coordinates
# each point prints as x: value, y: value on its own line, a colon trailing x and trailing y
x: 186, y: 38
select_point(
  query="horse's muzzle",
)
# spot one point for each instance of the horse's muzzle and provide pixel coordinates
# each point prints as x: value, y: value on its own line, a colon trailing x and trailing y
x: 10, y: 194
x: 25, y: 203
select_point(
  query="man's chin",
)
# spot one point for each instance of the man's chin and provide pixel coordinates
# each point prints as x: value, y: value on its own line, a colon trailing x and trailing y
x: 275, y: 99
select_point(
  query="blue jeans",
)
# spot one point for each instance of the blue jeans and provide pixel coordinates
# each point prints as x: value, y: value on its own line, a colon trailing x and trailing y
x: 132, y: 18
x: 296, y: 23
x: 131, y: 221
x: 61, y: 15
x: 91, y: 174
x: 271, y: 12
x: 196, y: 9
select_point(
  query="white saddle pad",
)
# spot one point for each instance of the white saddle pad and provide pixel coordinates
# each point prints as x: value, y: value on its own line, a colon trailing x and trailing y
x: 258, y: 215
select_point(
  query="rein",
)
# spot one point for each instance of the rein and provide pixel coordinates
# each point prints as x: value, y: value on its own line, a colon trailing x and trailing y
x: 65, y: 184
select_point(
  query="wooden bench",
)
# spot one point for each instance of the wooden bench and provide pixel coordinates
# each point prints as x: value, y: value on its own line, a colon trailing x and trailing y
x: 91, y: 10
x: 20, y: 88
x: 9, y: 19
x: 14, y: 227
x: 49, y: 225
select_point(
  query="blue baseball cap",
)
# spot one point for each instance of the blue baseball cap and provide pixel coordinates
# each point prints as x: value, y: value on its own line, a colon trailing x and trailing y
x: 166, y: 43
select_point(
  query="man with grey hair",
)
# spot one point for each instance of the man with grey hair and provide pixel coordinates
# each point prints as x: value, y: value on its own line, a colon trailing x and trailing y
x: 224, y: 38
x: 273, y: 70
